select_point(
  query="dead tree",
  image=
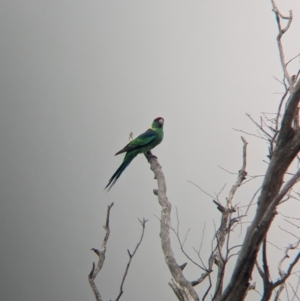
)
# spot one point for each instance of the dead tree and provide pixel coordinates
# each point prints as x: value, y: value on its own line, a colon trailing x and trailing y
x: 283, y: 136
x: 282, y: 133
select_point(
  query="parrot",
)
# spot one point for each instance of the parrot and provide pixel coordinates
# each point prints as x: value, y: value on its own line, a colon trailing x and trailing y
x: 143, y: 144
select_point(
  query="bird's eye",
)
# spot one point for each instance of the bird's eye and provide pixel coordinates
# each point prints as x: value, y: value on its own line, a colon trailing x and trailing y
x: 161, y: 121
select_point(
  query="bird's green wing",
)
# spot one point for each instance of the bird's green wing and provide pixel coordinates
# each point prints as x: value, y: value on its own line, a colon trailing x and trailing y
x: 141, y: 141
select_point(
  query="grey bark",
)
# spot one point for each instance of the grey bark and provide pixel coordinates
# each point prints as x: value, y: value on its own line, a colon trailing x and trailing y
x: 272, y: 192
x: 180, y: 285
x: 101, y: 257
x: 287, y: 148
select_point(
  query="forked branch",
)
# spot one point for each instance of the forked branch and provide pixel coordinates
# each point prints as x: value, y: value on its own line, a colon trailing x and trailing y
x: 101, y: 258
x: 281, y: 32
x: 225, y: 227
x: 143, y: 223
x: 270, y: 286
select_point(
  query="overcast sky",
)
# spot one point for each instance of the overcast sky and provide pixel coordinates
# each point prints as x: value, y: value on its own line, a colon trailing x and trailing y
x: 76, y: 78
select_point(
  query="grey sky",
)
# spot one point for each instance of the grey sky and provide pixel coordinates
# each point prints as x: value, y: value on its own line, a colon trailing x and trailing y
x: 76, y: 78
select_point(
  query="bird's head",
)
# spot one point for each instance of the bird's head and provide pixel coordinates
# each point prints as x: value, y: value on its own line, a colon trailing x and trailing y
x: 158, y: 122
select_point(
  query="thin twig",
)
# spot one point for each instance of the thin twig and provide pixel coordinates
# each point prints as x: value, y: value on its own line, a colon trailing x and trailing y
x: 181, y: 244
x: 250, y: 134
x: 252, y: 199
x: 143, y: 223
x: 259, y: 126
x: 201, y: 189
x: 292, y: 59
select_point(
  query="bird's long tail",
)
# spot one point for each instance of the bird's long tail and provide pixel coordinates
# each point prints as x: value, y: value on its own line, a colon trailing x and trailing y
x: 118, y: 173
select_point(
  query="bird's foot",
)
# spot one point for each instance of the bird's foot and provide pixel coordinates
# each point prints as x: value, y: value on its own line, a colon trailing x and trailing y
x: 149, y: 155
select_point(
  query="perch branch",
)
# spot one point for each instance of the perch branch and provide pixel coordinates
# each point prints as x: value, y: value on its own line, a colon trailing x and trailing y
x: 181, y: 286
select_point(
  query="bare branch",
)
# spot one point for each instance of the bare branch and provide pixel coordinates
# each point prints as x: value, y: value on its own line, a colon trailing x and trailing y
x: 291, y: 217
x: 259, y: 269
x: 288, y: 232
x: 265, y: 262
x: 232, y: 173
x: 143, y: 223
x: 278, y: 292
x: 225, y: 226
x: 241, y: 176
x: 289, y: 184
x: 295, y: 291
x: 199, y: 250
x: 208, y: 289
x: 181, y: 244
x: 259, y: 126
x: 292, y: 224
x: 180, y: 285
x: 292, y: 59
x: 201, y: 189
x: 273, y: 245
x: 282, y: 31
x: 101, y: 254
x: 201, y: 279
x: 273, y: 140
x: 248, y: 206
x: 283, y: 83
x: 250, y: 134
x: 288, y: 272
x: 221, y: 190
x: 272, y: 192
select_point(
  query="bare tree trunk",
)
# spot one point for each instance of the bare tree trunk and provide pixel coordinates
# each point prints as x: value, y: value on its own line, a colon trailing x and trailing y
x: 288, y: 146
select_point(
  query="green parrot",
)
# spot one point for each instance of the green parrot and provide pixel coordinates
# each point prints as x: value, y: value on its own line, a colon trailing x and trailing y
x: 140, y: 145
